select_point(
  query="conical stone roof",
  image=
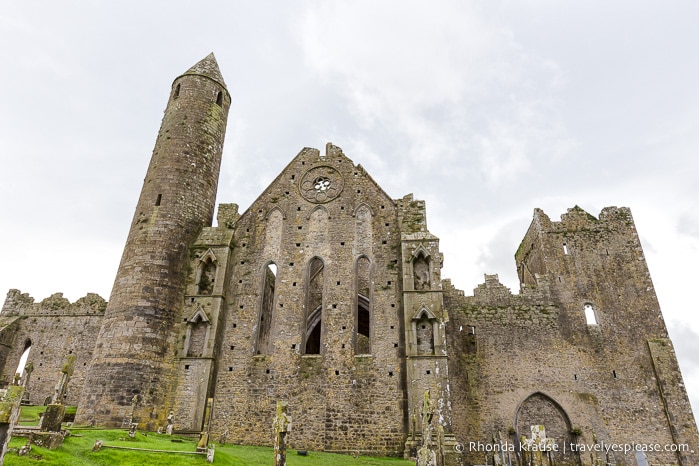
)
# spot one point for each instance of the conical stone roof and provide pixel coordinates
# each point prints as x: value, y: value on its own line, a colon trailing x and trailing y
x: 207, y: 67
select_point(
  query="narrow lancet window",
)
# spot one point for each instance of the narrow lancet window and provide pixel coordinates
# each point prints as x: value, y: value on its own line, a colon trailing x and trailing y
x: 177, y: 91
x: 314, y: 307
x: 590, y: 317
x: 25, y: 356
x: 363, y: 323
x: 265, y: 324
x: 565, y: 249
x: 219, y: 99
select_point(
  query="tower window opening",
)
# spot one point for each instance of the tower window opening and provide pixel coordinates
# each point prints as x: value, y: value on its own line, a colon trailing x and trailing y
x: 177, y: 91
x: 565, y: 249
x: 590, y: 317
x: 158, y: 199
x: 219, y: 99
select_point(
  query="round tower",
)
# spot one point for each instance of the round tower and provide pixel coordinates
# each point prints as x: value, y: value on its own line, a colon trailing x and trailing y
x: 132, y: 368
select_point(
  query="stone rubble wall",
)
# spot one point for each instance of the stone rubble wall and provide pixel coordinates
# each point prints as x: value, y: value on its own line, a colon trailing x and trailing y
x: 56, y: 329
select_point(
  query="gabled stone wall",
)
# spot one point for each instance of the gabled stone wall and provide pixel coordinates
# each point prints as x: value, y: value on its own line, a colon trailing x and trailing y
x: 339, y: 399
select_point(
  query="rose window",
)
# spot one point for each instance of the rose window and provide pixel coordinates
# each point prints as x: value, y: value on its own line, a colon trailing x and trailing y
x: 321, y: 184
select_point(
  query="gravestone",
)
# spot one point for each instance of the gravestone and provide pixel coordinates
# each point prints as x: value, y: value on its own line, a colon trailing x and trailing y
x: 281, y: 426
x: 134, y: 402
x: 9, y: 413
x: 49, y: 435
x: 170, y: 423
x: 203, y: 444
x: 210, y: 453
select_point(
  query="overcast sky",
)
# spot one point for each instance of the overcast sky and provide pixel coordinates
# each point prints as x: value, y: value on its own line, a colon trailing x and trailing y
x: 485, y: 110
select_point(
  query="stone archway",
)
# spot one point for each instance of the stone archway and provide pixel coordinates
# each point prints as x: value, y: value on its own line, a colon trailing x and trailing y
x: 539, y: 409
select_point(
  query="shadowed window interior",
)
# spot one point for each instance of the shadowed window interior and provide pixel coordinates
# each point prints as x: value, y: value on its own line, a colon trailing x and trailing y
x: 206, y: 280
x: 269, y: 279
x: 314, y: 302
x: 363, y: 324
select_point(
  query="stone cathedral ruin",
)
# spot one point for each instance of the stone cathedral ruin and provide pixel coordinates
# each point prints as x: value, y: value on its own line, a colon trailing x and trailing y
x: 326, y: 293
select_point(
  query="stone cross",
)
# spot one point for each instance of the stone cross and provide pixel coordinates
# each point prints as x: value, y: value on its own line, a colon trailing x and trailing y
x: 170, y: 423
x: 28, y: 368
x: 67, y: 370
x: 539, y: 447
x: 281, y: 426
x: 134, y: 401
x: 425, y: 455
x: 414, y: 424
x: 427, y: 413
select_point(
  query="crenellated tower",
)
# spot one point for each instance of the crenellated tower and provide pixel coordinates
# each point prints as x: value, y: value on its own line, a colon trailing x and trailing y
x: 135, y: 350
x: 608, y: 310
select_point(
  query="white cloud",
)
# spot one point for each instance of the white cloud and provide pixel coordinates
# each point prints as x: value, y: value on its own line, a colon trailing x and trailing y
x: 425, y: 78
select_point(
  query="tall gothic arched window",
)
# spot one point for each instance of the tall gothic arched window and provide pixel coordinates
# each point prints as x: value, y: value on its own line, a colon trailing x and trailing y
x: 363, y: 322
x: 314, y: 307
x: 269, y: 281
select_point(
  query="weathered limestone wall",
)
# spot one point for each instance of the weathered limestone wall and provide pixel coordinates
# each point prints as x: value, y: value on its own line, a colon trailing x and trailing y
x: 201, y: 330
x: 339, y: 399
x: 512, y: 356
x: 55, y: 329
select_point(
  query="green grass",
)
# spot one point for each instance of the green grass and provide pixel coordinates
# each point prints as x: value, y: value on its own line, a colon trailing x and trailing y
x: 29, y: 416
x: 77, y: 449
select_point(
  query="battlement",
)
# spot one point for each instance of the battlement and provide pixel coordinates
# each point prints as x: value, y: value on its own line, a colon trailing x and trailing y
x: 577, y: 218
x: 18, y: 303
x: 492, y: 294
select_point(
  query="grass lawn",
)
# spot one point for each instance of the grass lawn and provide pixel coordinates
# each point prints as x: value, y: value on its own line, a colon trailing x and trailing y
x: 77, y: 450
